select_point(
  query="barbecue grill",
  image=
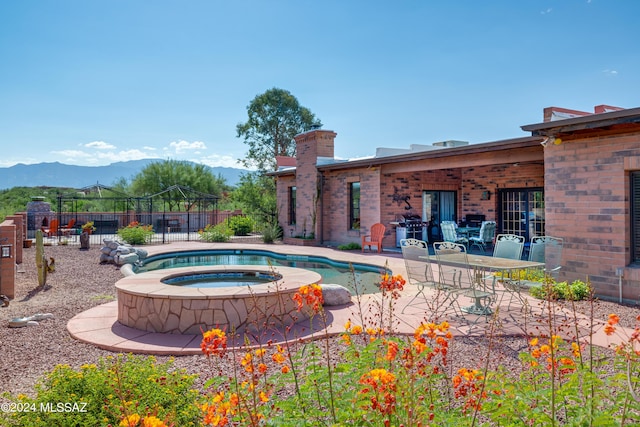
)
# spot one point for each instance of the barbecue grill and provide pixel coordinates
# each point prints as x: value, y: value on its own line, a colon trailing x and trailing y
x: 410, y: 226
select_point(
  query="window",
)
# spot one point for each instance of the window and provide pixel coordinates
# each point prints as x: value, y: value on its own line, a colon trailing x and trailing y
x: 522, y: 212
x: 292, y: 205
x: 635, y: 217
x: 354, y: 206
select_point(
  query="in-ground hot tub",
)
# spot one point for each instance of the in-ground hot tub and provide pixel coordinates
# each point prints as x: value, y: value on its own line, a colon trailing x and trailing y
x: 147, y: 301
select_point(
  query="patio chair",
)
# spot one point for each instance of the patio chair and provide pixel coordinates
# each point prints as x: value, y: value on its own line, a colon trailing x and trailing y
x: 547, y: 249
x: 485, y: 236
x: 374, y: 238
x: 449, y: 233
x: 52, y: 230
x: 68, y: 229
x: 419, y: 273
x: 509, y: 246
x: 464, y: 280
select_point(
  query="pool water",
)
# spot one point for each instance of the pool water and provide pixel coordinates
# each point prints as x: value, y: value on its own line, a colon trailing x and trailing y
x: 221, y: 280
x: 359, y: 278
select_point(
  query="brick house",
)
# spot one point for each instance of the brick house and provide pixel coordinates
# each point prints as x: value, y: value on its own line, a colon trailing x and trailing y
x: 579, y: 190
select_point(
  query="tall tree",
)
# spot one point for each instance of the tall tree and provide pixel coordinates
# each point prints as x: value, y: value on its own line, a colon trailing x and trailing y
x: 162, y: 175
x: 275, y: 117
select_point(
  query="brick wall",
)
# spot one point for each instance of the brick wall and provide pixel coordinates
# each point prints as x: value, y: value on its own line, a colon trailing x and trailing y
x: 8, y: 265
x: 587, y: 204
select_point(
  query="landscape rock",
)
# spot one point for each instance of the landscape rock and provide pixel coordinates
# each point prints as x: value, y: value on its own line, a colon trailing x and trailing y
x: 335, y: 294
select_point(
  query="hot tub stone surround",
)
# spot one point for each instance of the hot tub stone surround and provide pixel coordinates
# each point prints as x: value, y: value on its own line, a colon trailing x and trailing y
x: 147, y: 304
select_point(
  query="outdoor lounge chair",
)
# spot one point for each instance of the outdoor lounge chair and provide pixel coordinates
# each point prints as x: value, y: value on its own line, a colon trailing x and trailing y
x: 485, y: 236
x: 374, y: 238
x: 52, y: 230
x: 449, y: 233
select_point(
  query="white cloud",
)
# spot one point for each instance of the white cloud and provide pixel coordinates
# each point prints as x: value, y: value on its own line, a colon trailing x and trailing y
x: 218, y: 160
x: 182, y: 146
x: 100, y: 145
x: 124, y: 155
x: 73, y: 154
x: 100, y: 157
x: 544, y: 12
x: 610, y: 72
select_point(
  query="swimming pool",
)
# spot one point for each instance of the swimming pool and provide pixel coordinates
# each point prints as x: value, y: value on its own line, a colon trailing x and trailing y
x: 357, y: 277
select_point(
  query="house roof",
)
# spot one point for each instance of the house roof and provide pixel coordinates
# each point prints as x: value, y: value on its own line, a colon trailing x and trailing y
x: 584, y: 123
x: 507, y: 144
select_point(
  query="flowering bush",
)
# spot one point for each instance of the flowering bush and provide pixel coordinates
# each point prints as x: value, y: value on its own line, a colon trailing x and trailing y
x: 118, y: 391
x: 136, y: 233
x: 369, y: 377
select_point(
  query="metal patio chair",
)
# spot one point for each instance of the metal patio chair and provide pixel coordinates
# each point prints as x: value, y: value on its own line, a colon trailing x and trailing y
x: 419, y: 273
x: 465, y: 281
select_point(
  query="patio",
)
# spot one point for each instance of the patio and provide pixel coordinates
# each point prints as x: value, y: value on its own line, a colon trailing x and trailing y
x: 98, y: 326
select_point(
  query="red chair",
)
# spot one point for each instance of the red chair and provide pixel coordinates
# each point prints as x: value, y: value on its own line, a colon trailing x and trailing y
x: 375, y: 237
x: 52, y: 230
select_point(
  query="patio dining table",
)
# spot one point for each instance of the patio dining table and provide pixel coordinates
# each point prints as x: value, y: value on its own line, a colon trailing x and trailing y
x: 481, y: 266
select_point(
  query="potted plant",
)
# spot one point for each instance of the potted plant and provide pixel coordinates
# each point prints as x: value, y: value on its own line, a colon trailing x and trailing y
x: 88, y: 227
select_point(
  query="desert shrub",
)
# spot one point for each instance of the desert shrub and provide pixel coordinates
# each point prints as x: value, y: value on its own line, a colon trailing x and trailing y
x: 241, y: 225
x: 271, y: 233
x: 136, y: 233
x: 575, y: 291
x: 350, y: 246
x: 105, y: 393
x: 219, y: 233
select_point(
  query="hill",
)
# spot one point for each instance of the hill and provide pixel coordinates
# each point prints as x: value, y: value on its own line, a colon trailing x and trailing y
x: 61, y: 175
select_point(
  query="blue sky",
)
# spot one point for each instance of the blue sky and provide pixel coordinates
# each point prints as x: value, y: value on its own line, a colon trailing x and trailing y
x: 93, y: 82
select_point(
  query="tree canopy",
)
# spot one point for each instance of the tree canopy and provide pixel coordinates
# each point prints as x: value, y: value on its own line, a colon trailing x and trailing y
x: 256, y: 194
x: 274, y: 118
x: 162, y: 175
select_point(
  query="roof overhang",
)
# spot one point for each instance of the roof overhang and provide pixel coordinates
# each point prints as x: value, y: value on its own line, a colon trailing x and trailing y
x: 585, y: 123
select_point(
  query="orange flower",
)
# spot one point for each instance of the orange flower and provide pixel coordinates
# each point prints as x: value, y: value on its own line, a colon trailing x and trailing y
x: 130, y: 421
x: 311, y: 295
x: 380, y: 386
x: 346, y: 338
x: 214, y: 342
x: 575, y: 349
x: 613, y: 319
x: 392, y: 350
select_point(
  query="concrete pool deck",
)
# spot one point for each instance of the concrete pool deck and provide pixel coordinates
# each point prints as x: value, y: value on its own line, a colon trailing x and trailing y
x: 99, y: 326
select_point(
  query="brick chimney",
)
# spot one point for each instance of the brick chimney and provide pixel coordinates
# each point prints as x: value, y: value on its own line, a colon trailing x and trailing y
x: 310, y: 146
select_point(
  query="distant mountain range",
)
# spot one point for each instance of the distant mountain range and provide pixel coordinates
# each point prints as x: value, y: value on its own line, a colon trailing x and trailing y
x: 60, y: 175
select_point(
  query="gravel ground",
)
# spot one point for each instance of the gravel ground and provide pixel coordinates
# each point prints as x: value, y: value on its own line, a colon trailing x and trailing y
x: 81, y: 282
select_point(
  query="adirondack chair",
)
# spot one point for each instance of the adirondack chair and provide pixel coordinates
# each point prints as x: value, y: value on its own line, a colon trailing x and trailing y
x: 52, y: 230
x: 374, y: 238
